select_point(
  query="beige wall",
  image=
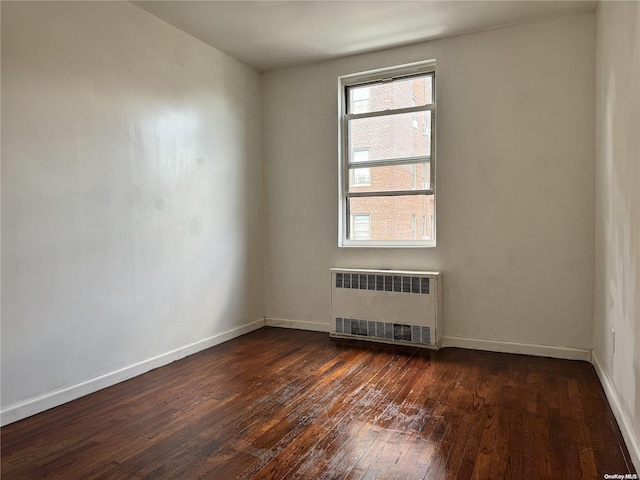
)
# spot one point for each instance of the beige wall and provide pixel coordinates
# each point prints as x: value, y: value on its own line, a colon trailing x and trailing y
x: 617, y: 293
x: 515, y: 186
x: 131, y: 198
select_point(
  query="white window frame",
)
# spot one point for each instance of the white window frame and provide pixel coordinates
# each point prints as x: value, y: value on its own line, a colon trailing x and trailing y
x: 381, y: 75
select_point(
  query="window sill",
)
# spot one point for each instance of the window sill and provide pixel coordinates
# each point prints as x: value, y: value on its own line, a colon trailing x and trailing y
x: 387, y: 244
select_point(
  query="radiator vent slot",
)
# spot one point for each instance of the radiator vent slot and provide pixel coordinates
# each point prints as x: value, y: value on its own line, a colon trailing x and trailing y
x: 387, y: 283
x: 384, y: 330
x: 389, y: 306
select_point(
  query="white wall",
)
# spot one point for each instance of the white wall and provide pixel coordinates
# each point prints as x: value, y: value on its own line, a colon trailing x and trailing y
x: 515, y: 186
x: 131, y: 198
x: 617, y: 293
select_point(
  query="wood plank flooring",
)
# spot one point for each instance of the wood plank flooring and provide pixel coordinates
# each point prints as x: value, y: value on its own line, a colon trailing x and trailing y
x: 292, y: 404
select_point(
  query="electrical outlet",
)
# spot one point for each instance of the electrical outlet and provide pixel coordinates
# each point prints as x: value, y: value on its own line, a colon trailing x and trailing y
x: 613, y: 341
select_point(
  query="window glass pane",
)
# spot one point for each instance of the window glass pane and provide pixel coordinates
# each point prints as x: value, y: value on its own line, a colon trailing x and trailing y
x: 390, y: 178
x: 391, y: 136
x: 395, y: 218
x: 387, y: 96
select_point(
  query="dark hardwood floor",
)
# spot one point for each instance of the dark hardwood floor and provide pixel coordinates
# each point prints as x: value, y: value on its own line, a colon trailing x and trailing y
x: 282, y: 403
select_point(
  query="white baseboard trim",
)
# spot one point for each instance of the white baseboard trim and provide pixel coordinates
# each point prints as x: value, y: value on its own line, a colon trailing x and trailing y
x: 56, y: 398
x: 566, y: 353
x: 300, y: 325
x: 630, y: 437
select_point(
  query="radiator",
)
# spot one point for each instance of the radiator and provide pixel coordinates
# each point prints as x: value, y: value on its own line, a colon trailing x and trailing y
x: 391, y: 306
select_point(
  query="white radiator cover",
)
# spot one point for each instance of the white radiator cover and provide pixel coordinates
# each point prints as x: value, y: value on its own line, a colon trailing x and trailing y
x: 390, y: 306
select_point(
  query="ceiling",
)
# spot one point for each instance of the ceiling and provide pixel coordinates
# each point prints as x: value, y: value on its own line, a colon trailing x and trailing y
x: 268, y: 34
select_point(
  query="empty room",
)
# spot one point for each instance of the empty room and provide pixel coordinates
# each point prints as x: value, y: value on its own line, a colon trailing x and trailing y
x: 277, y: 239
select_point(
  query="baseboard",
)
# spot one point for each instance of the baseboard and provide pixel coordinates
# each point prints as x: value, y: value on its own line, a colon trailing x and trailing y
x: 567, y: 353
x: 297, y: 324
x: 56, y: 398
x: 630, y: 437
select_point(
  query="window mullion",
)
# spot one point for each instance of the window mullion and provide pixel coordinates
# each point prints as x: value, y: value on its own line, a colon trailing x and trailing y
x: 389, y: 162
x: 389, y: 193
x: 397, y: 111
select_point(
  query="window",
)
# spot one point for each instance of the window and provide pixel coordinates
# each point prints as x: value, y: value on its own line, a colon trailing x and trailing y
x: 360, y: 99
x: 414, y: 118
x: 387, y: 163
x: 361, y: 227
x: 414, y: 175
x: 361, y: 176
x: 414, y: 226
x: 426, y: 173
